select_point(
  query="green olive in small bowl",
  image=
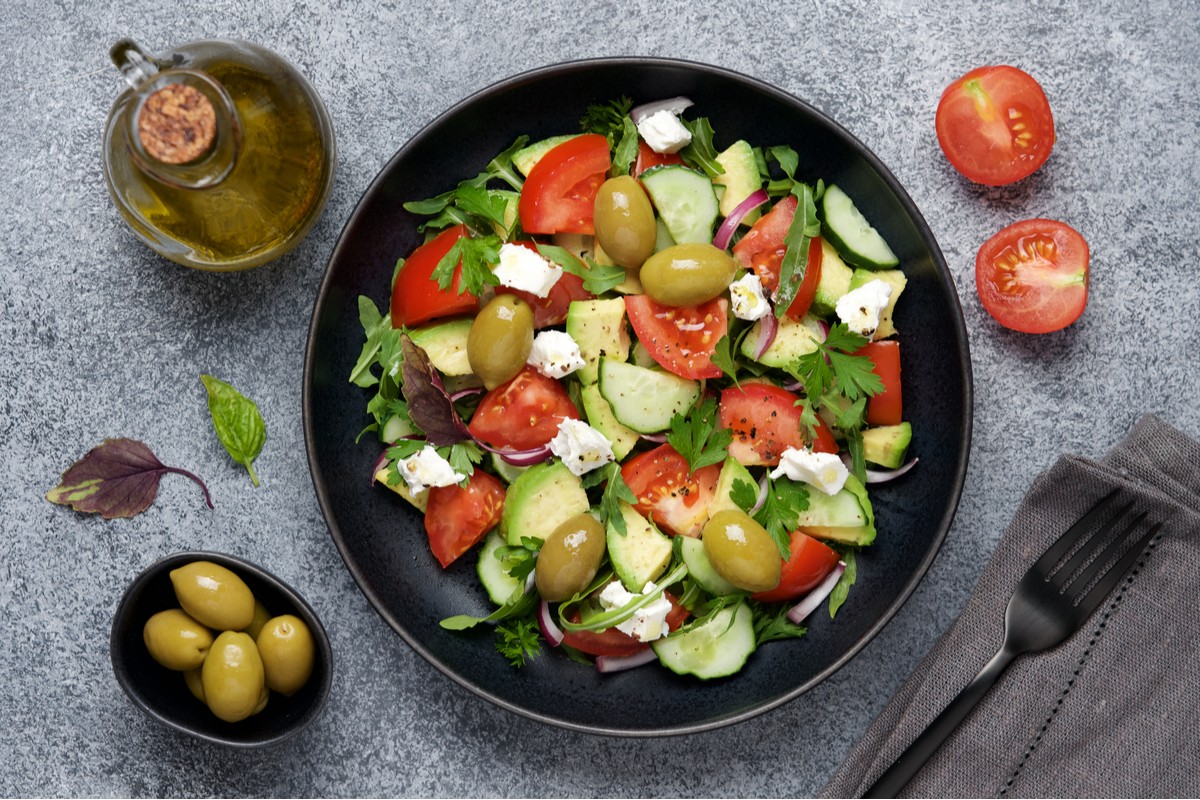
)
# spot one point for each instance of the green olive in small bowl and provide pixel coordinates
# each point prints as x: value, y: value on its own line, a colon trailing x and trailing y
x: 164, y: 692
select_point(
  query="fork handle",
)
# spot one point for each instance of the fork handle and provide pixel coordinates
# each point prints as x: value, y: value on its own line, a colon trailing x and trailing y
x: 924, y: 746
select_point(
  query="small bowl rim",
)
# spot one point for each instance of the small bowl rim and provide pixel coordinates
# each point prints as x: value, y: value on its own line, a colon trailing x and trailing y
x: 238, y: 565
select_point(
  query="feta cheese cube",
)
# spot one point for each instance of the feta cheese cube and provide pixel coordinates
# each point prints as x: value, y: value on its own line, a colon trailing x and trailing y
x: 524, y: 269
x: 860, y: 308
x: 555, y: 354
x: 748, y: 301
x: 581, y: 447
x: 825, y: 471
x: 647, y: 623
x: 427, y: 468
x: 663, y: 131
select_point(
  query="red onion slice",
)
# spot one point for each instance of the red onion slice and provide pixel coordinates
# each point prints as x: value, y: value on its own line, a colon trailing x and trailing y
x: 519, y: 458
x: 379, y: 464
x: 550, y: 630
x: 461, y: 393
x: 658, y: 438
x: 607, y: 664
x: 762, y: 493
x: 676, y: 105
x: 725, y: 231
x: 766, y: 336
x: 813, y: 599
x: 882, y: 475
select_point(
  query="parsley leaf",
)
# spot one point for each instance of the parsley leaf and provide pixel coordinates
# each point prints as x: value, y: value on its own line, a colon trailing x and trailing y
x: 697, y: 436
x: 800, y: 234
x: 518, y: 640
x: 723, y: 358
x: 519, y: 560
x: 780, y: 511
x: 700, y: 152
x: 771, y: 623
x: 606, y: 119
x: 834, y: 364
x: 477, y: 256
x: 463, y: 456
x: 482, y: 203
x: 842, y: 588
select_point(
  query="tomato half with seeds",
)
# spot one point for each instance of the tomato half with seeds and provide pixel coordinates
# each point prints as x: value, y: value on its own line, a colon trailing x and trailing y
x: 765, y: 421
x: 457, y: 517
x: 762, y: 250
x: 682, y: 339
x: 559, y: 195
x: 416, y: 297
x: 810, y: 562
x: 676, y: 501
x: 994, y: 125
x: 1033, y: 275
x: 524, y: 413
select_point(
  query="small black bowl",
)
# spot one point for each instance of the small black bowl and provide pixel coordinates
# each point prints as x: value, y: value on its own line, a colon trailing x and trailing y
x: 162, y: 693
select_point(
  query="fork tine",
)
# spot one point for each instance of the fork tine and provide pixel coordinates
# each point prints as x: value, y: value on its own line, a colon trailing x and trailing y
x: 1061, y: 547
x: 1092, y: 600
x: 1091, y: 543
x: 1102, y: 559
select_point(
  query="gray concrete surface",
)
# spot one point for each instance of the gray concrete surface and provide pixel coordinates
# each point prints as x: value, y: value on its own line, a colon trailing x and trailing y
x: 102, y: 338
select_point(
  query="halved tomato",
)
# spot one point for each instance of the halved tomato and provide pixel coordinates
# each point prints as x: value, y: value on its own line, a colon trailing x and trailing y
x: 676, y: 501
x: 1033, y: 275
x: 523, y: 413
x: 994, y: 125
x: 808, y: 565
x: 559, y: 194
x: 765, y: 421
x: 762, y: 250
x: 612, y: 642
x: 887, y: 407
x: 457, y: 518
x: 681, y: 339
x: 648, y: 159
x: 416, y: 298
x: 551, y: 309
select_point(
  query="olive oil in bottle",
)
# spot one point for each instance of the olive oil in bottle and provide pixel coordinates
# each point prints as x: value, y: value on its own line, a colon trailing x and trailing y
x: 220, y: 156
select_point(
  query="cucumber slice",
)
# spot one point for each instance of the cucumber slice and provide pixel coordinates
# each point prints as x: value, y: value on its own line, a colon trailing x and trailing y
x: 715, y: 649
x: 701, y: 569
x: 685, y: 200
x: 493, y: 572
x: 507, y: 472
x: 645, y: 399
x: 848, y: 230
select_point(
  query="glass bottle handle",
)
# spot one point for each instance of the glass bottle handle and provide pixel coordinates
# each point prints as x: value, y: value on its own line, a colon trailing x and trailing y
x: 136, y: 67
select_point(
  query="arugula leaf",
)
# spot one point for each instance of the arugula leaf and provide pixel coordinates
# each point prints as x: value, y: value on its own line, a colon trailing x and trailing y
x: 723, y: 358
x: 501, y: 167
x: 626, y: 149
x: 697, y: 436
x: 238, y: 424
x: 801, y: 232
x: 615, y: 492
x: 374, y: 324
x: 518, y: 640
x: 597, y: 278
x: 477, y: 256
x: 834, y: 364
x: 842, y: 588
x: 519, y: 605
x: 442, y: 205
x: 771, y: 623
x: 118, y: 478
x: 700, y: 153
x: 429, y: 405
x: 606, y: 119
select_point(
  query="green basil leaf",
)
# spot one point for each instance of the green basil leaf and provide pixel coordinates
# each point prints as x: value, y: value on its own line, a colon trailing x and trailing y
x: 238, y: 423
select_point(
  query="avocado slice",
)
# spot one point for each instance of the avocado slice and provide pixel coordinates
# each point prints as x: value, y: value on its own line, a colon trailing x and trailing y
x: 525, y: 158
x: 598, y: 327
x: 792, y: 340
x: 740, y: 179
x: 540, y: 500
x: 732, y: 471
x: 835, y: 281
x: 420, y: 500
x: 896, y: 279
x: 640, y: 554
x: 446, y: 345
x: 886, y: 445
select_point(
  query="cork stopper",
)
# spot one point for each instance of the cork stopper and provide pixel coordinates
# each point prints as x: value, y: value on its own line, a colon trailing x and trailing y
x: 177, y: 124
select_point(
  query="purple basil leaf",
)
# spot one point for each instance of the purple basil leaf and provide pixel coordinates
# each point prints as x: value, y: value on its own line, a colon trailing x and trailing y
x: 119, y: 478
x: 428, y: 404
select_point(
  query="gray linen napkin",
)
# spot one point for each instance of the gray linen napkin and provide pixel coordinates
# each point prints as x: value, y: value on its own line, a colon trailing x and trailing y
x: 1110, y: 712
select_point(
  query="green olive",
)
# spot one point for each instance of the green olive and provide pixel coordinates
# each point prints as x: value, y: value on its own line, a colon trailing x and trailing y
x: 286, y: 647
x: 500, y: 339
x: 194, y: 678
x: 741, y: 551
x: 261, y: 615
x: 687, y: 274
x: 624, y: 221
x: 569, y: 558
x: 175, y: 640
x: 213, y: 596
x: 233, y: 677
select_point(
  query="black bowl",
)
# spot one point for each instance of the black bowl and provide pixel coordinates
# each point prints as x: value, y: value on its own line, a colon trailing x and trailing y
x: 381, y: 538
x: 161, y: 692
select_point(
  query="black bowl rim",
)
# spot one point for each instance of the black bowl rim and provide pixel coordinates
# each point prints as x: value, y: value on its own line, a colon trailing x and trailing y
x: 961, y: 340
x: 320, y: 636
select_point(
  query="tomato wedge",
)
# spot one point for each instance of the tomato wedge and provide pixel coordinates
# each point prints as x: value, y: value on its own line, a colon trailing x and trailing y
x: 808, y: 565
x: 456, y: 517
x: 676, y: 501
x: 560, y: 192
x: 681, y: 339
x: 762, y: 249
x: 416, y: 298
x: 1033, y: 275
x: 887, y: 407
x: 648, y: 159
x: 551, y: 309
x: 994, y: 125
x: 523, y: 413
x: 613, y: 642
x: 765, y: 421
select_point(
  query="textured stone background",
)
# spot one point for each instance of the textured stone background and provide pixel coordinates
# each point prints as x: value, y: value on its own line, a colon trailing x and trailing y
x: 102, y: 338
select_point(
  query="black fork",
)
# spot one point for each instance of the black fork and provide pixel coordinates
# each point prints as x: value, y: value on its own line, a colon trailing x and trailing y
x: 1051, y: 603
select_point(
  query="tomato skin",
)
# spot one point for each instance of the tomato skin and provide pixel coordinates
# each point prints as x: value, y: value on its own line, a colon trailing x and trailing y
x: 523, y: 413
x: 457, y: 518
x: 559, y: 195
x: 681, y: 339
x: 551, y: 309
x: 648, y: 159
x: 1033, y: 275
x: 676, y: 501
x: 810, y: 562
x: 887, y: 407
x: 613, y: 642
x: 995, y: 125
x: 765, y: 421
x: 416, y: 298
x: 762, y: 249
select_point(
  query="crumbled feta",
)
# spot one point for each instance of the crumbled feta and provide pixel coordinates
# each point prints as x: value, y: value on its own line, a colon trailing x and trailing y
x: 555, y: 354
x: 825, y: 471
x: 748, y: 300
x: 581, y: 447
x: 427, y: 468
x: 522, y: 268
x: 861, y: 307
x: 663, y: 131
x: 647, y: 623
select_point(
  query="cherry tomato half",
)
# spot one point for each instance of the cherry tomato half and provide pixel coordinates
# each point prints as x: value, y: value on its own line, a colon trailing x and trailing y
x: 682, y: 339
x: 1033, y: 275
x: 887, y: 407
x: 762, y: 250
x: 765, y: 421
x: 808, y: 565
